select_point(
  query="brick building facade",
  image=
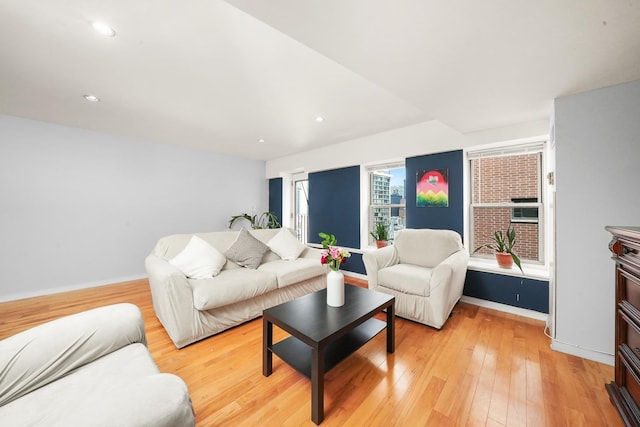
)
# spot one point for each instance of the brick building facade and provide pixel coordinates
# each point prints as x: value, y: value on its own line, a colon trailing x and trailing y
x: 507, y: 179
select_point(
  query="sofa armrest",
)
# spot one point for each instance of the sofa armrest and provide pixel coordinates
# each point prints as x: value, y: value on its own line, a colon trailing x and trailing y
x: 172, y: 298
x: 38, y: 356
x: 377, y: 259
x: 311, y: 253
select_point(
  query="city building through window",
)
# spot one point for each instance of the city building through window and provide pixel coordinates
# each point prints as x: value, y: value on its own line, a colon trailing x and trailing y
x: 387, y: 198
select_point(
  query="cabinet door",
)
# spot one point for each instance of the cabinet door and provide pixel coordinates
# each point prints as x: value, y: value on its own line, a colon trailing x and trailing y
x: 511, y: 290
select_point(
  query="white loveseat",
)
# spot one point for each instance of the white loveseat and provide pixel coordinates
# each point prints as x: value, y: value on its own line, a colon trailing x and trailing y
x: 191, y: 309
x: 88, y: 369
x: 424, y: 270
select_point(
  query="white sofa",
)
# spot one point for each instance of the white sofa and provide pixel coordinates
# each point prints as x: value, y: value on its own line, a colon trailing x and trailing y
x: 192, y: 309
x: 424, y: 270
x: 88, y: 369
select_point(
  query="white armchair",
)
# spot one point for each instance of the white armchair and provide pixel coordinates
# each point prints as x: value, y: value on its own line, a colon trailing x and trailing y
x: 424, y: 270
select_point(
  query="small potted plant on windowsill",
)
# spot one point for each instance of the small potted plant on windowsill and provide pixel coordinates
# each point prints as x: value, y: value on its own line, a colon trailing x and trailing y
x: 381, y: 235
x: 503, y: 248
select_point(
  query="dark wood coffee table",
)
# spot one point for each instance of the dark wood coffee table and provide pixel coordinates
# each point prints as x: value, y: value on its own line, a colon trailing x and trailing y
x: 323, y: 336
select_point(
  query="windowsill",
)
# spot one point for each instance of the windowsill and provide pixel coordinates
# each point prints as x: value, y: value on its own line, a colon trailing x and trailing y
x: 531, y: 271
x: 352, y: 250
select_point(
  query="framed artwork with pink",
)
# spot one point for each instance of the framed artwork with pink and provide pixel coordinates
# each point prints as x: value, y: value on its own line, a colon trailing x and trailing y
x: 432, y: 188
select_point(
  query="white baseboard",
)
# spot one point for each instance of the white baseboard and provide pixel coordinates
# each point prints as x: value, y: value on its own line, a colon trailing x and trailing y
x: 532, y: 314
x: 585, y: 353
x: 50, y: 291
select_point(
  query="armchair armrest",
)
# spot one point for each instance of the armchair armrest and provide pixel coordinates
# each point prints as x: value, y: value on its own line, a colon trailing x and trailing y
x: 40, y: 355
x: 377, y: 259
x: 447, y: 281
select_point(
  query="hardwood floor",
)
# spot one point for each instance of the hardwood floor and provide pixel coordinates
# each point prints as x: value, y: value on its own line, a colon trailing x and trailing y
x: 484, y: 368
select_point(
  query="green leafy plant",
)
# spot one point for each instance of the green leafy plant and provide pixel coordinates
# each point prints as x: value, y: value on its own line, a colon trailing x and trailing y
x: 503, y: 243
x: 327, y: 240
x: 381, y: 232
x: 264, y: 220
x: 332, y: 255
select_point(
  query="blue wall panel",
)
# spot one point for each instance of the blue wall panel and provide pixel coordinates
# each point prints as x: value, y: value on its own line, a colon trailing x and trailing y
x: 354, y: 264
x: 275, y: 197
x: 451, y: 217
x: 334, y: 205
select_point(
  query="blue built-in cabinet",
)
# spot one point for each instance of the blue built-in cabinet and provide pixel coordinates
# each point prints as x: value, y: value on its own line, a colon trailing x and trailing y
x: 522, y: 292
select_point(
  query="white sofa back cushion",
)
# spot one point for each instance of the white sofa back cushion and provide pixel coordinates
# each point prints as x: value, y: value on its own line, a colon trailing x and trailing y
x: 426, y: 247
x: 285, y: 245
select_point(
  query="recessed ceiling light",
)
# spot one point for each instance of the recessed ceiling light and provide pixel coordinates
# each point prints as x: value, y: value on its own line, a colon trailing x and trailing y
x: 319, y: 119
x: 261, y: 140
x: 91, y: 98
x: 103, y: 29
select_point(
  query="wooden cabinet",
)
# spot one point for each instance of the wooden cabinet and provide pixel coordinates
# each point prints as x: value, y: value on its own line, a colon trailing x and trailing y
x: 624, y: 391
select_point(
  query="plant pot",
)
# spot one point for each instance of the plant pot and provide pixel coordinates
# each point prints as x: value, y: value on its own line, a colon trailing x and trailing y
x: 505, y: 260
x: 381, y: 243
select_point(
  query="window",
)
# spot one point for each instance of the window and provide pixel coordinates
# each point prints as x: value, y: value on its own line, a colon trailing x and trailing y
x: 506, y: 191
x: 301, y: 208
x: 387, y: 198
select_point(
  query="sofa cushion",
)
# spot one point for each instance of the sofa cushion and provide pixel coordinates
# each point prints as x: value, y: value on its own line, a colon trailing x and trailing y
x: 290, y: 272
x: 199, y: 260
x: 426, y: 247
x: 231, y: 286
x: 62, y: 345
x: 120, y: 388
x: 246, y: 251
x: 407, y: 278
x: 285, y: 245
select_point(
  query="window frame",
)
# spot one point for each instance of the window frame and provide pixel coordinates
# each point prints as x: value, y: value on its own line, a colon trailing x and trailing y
x: 367, y: 203
x: 538, y: 146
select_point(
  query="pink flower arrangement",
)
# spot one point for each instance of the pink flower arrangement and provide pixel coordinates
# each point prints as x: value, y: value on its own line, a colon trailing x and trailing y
x: 332, y: 255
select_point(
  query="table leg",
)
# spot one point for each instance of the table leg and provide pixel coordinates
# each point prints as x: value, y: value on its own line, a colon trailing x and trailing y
x: 267, y: 342
x: 391, y: 330
x: 317, y: 385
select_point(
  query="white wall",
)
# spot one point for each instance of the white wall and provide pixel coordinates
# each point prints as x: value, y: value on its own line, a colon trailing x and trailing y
x: 391, y: 145
x: 81, y: 208
x: 597, y: 137
x: 398, y: 144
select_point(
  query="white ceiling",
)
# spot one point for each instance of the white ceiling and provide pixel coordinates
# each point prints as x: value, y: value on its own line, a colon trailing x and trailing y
x: 219, y: 75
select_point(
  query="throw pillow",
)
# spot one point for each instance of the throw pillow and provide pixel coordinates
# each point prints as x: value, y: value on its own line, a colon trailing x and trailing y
x: 246, y: 251
x: 285, y: 245
x: 199, y: 260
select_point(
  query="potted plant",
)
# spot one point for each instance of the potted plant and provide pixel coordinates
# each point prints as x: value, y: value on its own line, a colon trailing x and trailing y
x: 334, y: 257
x: 503, y: 248
x: 264, y: 220
x: 381, y: 235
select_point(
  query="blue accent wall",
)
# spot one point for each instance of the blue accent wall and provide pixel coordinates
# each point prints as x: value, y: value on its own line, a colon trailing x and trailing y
x: 354, y: 264
x: 511, y: 290
x: 451, y: 217
x: 275, y: 197
x: 334, y: 205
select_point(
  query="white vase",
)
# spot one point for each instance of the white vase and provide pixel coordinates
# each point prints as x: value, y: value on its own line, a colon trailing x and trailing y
x: 335, y: 289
